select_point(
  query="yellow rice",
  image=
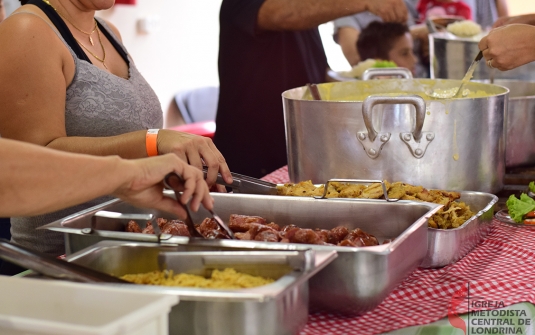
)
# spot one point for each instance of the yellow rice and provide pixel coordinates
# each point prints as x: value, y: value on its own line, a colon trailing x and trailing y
x: 226, y: 279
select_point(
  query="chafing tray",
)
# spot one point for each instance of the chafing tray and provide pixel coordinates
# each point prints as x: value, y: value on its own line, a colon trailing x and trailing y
x: 357, y: 281
x: 277, y: 308
x: 446, y: 246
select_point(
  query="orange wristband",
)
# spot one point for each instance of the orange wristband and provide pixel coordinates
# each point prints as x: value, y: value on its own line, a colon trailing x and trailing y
x: 151, y: 142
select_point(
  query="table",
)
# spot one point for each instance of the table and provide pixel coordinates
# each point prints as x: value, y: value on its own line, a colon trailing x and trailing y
x: 498, y: 274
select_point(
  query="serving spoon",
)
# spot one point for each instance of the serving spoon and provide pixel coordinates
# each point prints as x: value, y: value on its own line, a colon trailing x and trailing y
x: 454, y: 91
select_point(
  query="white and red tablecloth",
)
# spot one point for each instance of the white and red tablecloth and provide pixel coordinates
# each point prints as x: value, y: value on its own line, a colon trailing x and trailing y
x: 500, y: 271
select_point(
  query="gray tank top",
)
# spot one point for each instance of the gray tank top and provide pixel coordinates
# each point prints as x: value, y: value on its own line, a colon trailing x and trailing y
x: 98, y: 104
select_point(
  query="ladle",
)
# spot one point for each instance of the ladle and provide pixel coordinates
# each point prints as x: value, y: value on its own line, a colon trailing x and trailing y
x: 454, y: 91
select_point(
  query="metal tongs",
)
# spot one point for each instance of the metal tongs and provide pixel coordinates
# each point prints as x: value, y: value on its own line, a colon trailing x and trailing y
x: 51, y: 266
x: 246, y: 184
x: 174, y: 179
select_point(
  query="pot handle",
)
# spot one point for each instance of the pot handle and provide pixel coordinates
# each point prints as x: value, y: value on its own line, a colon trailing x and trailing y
x: 390, y: 71
x: 415, y: 100
x: 414, y: 141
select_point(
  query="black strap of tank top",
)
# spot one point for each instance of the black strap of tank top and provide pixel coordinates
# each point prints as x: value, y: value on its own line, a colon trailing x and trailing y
x: 114, y: 42
x: 67, y: 35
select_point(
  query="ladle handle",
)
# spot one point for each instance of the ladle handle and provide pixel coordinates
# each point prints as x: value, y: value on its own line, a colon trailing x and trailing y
x: 314, y: 91
x: 479, y: 56
x: 415, y: 100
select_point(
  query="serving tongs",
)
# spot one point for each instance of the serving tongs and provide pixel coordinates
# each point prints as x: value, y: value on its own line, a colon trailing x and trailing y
x: 51, y: 266
x: 174, y: 179
x: 246, y: 184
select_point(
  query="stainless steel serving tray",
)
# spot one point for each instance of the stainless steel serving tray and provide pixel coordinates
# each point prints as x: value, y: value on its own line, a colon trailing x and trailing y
x: 356, y: 282
x: 274, y: 309
x: 446, y: 246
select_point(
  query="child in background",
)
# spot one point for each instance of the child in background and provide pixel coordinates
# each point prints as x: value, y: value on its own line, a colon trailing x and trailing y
x: 437, y: 8
x: 387, y: 41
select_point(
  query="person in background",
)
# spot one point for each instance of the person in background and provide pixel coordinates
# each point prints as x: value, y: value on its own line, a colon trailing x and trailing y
x: 510, y: 44
x: 69, y: 84
x: 438, y: 8
x: 486, y: 12
x: 2, y: 11
x: 265, y: 48
x: 36, y: 180
x: 347, y: 30
x: 395, y: 44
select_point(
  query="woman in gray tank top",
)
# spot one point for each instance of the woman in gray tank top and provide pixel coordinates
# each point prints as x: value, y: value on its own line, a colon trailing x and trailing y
x: 69, y: 84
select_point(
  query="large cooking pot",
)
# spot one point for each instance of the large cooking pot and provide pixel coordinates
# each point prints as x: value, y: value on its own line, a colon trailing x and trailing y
x: 520, y: 125
x: 454, y: 144
x: 450, y: 57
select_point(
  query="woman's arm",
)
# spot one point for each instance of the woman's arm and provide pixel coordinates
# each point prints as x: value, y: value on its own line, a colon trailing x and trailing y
x: 306, y: 14
x: 347, y: 39
x: 36, y: 69
x: 36, y: 180
x: 502, y: 8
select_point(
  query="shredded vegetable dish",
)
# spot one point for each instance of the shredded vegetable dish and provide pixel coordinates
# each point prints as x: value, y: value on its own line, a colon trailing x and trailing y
x: 452, y: 215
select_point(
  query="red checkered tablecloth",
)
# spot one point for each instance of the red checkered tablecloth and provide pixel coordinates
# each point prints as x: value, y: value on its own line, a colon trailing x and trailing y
x: 501, y: 269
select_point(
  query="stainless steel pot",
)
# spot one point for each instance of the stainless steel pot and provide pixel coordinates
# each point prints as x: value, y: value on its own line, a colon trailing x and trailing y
x: 450, y: 57
x: 455, y: 144
x: 520, y: 125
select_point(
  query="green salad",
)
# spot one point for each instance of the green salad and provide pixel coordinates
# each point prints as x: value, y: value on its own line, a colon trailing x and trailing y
x: 531, y: 187
x: 522, y: 210
x: 384, y: 63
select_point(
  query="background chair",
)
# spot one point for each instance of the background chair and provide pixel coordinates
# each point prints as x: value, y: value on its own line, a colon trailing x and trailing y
x: 193, y: 111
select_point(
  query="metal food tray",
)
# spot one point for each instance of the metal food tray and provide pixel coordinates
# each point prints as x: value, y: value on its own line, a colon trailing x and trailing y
x: 356, y: 282
x: 446, y: 246
x: 274, y: 309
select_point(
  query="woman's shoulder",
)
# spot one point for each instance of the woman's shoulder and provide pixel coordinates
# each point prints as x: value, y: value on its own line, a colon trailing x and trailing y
x: 27, y: 23
x: 27, y: 35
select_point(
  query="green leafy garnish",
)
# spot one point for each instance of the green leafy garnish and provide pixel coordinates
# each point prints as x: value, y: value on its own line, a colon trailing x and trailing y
x: 384, y: 63
x: 519, y: 207
x: 531, y: 187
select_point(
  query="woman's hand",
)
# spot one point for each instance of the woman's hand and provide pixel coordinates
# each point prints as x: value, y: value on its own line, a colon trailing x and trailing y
x: 198, y: 151
x: 143, y: 185
x: 508, y: 47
